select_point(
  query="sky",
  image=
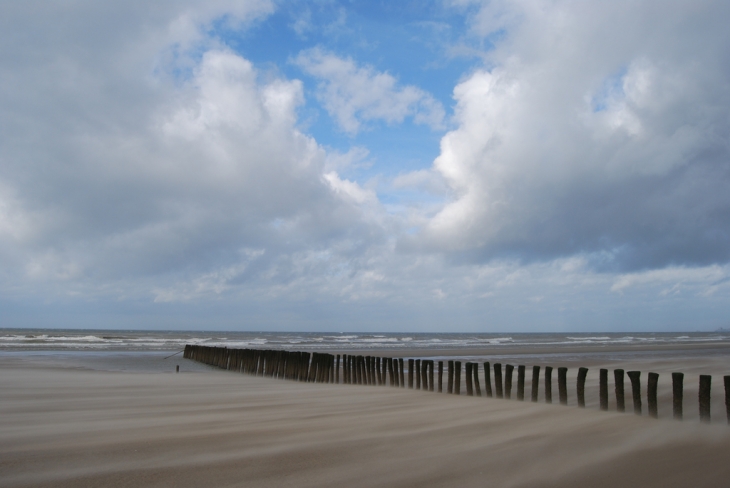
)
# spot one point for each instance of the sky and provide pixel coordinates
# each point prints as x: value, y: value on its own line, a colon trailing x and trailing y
x: 441, y: 166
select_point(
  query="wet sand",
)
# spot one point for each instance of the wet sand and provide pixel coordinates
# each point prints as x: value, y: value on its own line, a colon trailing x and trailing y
x: 75, y: 426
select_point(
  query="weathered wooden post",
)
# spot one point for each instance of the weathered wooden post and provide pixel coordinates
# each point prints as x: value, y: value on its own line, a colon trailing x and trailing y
x: 457, y: 378
x: 635, y: 377
x: 521, y: 383
x: 389, y: 362
x: 450, y: 386
x: 498, y: 380
x: 373, y: 372
x: 469, y: 388
x: 348, y: 365
x: 705, y: 385
x: 603, y: 389
x: 177, y: 368
x: 417, y: 373
x: 400, y: 367
x: 563, y: 385
x: 441, y: 376
x: 677, y: 395
x: 410, y: 373
x: 618, y: 378
x: 477, y: 387
x: 487, y: 379
x: 337, y: 370
x: 378, y: 372
x: 508, y: 381
x: 726, y: 379
x: 582, y: 373
x: 355, y: 366
x: 651, y: 395
x: 424, y: 374
x: 430, y: 375
x: 535, y: 383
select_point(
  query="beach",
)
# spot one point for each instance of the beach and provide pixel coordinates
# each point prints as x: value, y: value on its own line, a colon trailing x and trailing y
x: 76, y: 422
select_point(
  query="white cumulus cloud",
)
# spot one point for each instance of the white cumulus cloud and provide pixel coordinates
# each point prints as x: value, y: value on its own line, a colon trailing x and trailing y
x: 354, y: 94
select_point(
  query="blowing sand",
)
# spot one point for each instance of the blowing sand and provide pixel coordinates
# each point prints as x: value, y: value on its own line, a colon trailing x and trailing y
x: 63, y: 426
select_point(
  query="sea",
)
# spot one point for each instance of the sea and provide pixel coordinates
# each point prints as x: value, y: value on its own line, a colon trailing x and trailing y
x: 160, y: 351
x: 136, y: 340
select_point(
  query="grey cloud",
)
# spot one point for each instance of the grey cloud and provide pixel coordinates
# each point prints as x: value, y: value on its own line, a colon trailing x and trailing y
x: 112, y: 168
x: 602, y: 130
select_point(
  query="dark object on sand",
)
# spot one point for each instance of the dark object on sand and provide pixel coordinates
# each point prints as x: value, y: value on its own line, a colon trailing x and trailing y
x: 548, y: 384
x: 469, y: 388
x: 563, y: 385
x: 582, y: 372
x: 635, y: 377
x: 651, y: 395
x: 677, y: 395
x: 508, y: 381
x: 618, y: 378
x: 410, y: 373
x: 477, y: 386
x: 603, y: 389
x: 498, y: 379
x: 521, y: 382
x: 535, y: 382
x: 451, y: 378
x: 705, y: 385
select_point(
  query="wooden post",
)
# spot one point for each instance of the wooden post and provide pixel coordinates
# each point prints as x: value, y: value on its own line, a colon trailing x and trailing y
x: 498, y: 379
x: 677, y: 395
x: 373, y: 379
x: 548, y: 384
x: 487, y: 379
x: 450, y: 387
x: 726, y: 379
x: 457, y: 378
x: 477, y: 387
x: 582, y: 373
x: 618, y: 378
x: 337, y: 370
x: 635, y: 377
x: 401, y: 377
x: 508, y: 381
x: 360, y: 366
x: 424, y: 374
x: 705, y: 385
x: 441, y: 376
x: 469, y: 388
x: 651, y: 395
x: 563, y: 385
x: 410, y: 373
x: 348, y: 369
x: 369, y: 370
x: 535, y: 382
x: 430, y: 375
x: 603, y: 389
x: 344, y: 368
x: 419, y: 374
x: 521, y: 382
x: 177, y: 368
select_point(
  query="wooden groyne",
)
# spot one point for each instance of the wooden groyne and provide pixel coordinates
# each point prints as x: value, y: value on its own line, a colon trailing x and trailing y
x: 350, y: 369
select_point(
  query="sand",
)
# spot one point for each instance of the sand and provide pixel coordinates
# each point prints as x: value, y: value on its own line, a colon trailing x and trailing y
x: 74, y: 426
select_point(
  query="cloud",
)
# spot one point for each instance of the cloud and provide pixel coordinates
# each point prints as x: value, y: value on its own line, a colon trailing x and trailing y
x: 121, y: 176
x: 599, y: 129
x: 355, y: 95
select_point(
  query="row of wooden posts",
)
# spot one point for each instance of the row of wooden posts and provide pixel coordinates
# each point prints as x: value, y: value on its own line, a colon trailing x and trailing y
x: 368, y: 370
